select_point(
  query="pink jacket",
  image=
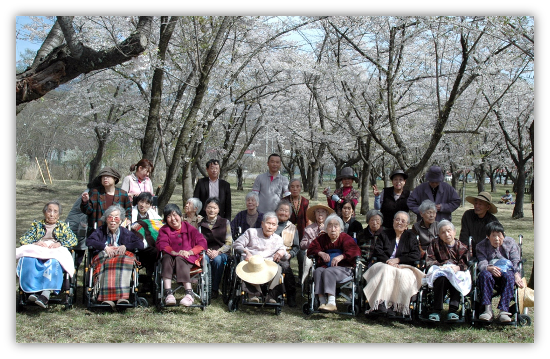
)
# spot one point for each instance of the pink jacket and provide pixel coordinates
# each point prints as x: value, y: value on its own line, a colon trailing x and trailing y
x: 187, y: 238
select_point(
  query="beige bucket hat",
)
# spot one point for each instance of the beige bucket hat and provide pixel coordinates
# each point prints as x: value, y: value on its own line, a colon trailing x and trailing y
x: 484, y: 196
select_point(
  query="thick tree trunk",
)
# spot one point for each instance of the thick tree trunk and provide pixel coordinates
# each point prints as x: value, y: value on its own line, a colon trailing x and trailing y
x: 187, y: 182
x: 95, y: 163
x: 240, y: 178
x: 520, y: 195
x: 365, y: 185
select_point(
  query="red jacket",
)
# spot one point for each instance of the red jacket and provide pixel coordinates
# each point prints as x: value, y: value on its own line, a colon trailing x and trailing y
x: 345, y: 243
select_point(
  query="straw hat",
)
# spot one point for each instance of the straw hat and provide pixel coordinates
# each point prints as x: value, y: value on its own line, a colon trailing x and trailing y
x: 526, y: 296
x: 257, y: 270
x: 310, y: 213
x: 484, y: 196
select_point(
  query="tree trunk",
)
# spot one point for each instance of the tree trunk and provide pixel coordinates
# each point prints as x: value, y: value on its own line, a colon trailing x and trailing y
x: 240, y: 178
x: 187, y: 182
x: 520, y: 195
x: 365, y: 185
x: 95, y: 163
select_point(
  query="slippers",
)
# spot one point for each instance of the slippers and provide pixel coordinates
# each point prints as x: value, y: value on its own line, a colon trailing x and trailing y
x: 109, y: 302
x: 122, y: 301
x: 452, y: 317
x: 434, y: 317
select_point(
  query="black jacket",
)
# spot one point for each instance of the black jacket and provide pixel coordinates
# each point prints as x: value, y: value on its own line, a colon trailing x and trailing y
x: 202, y: 192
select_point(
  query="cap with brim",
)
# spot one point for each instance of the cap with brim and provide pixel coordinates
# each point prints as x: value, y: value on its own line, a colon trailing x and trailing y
x: 434, y: 174
x: 399, y: 172
x: 347, y: 172
x: 257, y: 270
x: 310, y: 213
x: 486, y: 197
x: 109, y: 171
x: 526, y: 296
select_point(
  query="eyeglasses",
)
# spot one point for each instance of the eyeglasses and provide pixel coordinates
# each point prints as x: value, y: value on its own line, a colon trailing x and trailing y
x: 113, y: 218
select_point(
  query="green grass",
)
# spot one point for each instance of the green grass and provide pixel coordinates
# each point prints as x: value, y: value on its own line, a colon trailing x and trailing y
x: 247, y: 325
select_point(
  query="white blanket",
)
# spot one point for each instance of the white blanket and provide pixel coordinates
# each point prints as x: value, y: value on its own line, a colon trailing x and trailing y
x: 62, y: 254
x: 461, y: 280
x: 392, y: 286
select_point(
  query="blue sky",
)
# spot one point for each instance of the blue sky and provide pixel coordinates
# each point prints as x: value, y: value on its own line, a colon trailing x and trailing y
x: 21, y: 45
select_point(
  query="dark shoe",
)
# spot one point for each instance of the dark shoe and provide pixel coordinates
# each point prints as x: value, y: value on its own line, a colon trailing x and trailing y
x: 292, y: 301
x: 215, y: 294
x: 41, y: 301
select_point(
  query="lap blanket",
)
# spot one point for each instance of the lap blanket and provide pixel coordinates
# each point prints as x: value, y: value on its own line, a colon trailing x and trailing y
x: 112, y: 276
x: 36, y: 275
x: 61, y: 254
x: 392, y: 286
x: 461, y: 280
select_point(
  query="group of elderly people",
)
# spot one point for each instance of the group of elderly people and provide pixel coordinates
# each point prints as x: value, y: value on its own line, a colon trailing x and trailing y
x: 266, y: 242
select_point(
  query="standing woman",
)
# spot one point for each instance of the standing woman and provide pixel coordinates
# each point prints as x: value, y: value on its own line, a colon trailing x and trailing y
x: 139, y: 181
x: 345, y: 192
x: 98, y: 199
x: 392, y: 199
x: 298, y: 216
x: 217, y: 232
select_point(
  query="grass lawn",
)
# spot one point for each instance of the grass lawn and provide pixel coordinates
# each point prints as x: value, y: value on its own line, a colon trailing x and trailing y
x: 247, y: 325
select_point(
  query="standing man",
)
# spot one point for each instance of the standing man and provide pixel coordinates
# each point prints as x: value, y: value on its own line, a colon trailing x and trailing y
x: 271, y: 186
x: 442, y: 194
x: 213, y: 186
x: 474, y: 220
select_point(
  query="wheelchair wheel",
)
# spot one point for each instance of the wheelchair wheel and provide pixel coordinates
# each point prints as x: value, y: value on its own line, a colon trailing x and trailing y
x: 305, y: 308
x: 142, y: 302
x: 524, y: 320
x: 232, y: 304
x: 278, y: 310
x: 19, y: 307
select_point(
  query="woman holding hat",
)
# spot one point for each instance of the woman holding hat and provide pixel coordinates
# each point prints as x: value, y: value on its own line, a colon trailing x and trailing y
x: 262, y: 242
x: 474, y: 220
x: 335, y: 252
x: 346, y: 191
x: 392, y: 199
x: 102, y: 195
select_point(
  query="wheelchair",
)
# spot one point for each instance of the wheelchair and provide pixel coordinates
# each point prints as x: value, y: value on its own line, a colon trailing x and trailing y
x: 237, y: 295
x: 412, y: 303
x: 66, y: 296
x: 349, y: 290
x: 425, y: 305
x: 518, y: 319
x: 201, y: 283
x: 229, y: 276
x: 89, y: 298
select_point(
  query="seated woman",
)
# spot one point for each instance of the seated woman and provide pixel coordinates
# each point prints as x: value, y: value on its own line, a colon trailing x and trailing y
x: 269, y: 246
x: 217, y: 232
x: 288, y: 231
x: 192, y: 209
x: 426, y: 228
x: 351, y: 226
x: 143, y: 210
x: 249, y: 218
x: 139, y: 181
x: 448, y: 262
x: 317, y: 215
x: 335, y: 252
x: 392, y: 280
x: 369, y: 236
x: 44, y: 248
x: 180, y: 244
x: 498, y: 258
x: 110, y: 248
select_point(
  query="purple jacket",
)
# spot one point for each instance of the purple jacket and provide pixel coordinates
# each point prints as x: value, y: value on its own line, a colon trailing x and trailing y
x: 446, y: 196
x: 98, y: 238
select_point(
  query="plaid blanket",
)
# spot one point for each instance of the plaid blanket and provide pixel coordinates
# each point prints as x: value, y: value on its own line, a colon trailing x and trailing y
x: 112, y: 276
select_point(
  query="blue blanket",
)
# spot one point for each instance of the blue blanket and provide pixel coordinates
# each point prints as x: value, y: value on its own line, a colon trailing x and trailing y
x: 36, y: 275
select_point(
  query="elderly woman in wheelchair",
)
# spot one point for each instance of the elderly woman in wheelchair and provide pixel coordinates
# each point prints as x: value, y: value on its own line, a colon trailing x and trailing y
x: 335, y: 252
x: 499, y: 258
